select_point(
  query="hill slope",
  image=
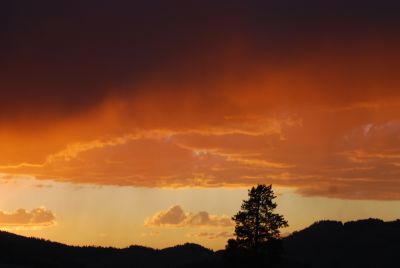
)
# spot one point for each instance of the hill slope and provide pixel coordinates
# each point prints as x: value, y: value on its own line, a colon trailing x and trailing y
x: 19, y: 251
x: 364, y: 243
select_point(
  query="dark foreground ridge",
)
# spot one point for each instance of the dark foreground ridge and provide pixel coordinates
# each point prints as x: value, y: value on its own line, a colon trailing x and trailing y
x: 363, y: 243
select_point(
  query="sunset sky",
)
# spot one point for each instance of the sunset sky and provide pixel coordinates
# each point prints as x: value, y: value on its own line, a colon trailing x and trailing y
x: 145, y: 122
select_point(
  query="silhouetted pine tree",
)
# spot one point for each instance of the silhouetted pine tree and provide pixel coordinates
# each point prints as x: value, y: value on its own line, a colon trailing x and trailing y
x: 257, y: 230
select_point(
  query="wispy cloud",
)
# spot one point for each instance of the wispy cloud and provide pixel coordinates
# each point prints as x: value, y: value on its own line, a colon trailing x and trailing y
x: 212, y: 235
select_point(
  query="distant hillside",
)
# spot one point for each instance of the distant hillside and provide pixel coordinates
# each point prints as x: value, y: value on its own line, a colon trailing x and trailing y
x: 22, y: 252
x: 364, y: 243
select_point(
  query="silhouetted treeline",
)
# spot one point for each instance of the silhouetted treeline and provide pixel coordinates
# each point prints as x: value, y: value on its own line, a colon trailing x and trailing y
x: 364, y: 243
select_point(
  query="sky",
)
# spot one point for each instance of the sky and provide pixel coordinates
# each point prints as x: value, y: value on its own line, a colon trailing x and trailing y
x: 145, y: 122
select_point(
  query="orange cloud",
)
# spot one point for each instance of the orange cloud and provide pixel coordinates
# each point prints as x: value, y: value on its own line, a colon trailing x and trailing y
x: 176, y: 217
x: 22, y: 219
x: 311, y: 104
x: 313, y: 156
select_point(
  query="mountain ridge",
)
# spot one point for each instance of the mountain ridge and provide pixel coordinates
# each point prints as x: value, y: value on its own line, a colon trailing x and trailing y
x: 326, y: 243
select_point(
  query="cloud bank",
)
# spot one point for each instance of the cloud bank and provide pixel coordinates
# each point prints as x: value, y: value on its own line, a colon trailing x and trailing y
x: 206, y: 94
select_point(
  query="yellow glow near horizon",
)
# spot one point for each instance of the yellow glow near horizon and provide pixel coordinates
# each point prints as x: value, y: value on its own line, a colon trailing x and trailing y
x: 84, y: 218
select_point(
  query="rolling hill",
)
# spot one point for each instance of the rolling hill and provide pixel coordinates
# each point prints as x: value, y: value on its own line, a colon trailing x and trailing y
x: 363, y: 243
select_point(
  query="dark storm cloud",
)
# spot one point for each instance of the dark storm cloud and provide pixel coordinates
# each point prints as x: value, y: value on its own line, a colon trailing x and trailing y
x: 73, y: 54
x: 67, y: 56
x: 302, y: 94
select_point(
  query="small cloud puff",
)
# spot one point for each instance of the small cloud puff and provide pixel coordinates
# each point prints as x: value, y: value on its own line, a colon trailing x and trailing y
x: 23, y: 219
x: 176, y: 217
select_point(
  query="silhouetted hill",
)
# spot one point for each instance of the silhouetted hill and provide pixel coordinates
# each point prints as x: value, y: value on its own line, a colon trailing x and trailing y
x: 19, y: 251
x: 364, y: 243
